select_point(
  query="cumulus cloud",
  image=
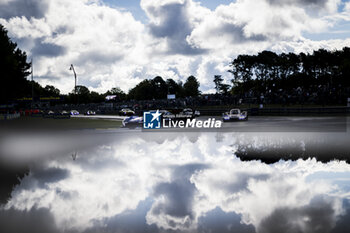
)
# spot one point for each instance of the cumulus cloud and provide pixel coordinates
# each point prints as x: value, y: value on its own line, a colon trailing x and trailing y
x: 173, y: 207
x: 26, y: 8
x: 109, y: 47
x: 318, y: 216
x: 218, y: 221
x: 316, y: 5
x: 40, y: 178
x: 85, y: 33
x: 250, y: 22
x: 171, y: 20
x: 47, y: 49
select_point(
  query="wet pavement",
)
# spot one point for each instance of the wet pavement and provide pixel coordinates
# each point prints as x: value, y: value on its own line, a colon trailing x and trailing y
x: 123, y: 180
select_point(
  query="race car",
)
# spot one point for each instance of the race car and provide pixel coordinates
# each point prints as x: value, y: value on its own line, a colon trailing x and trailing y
x: 74, y: 112
x: 137, y: 121
x: 235, y: 115
x: 133, y: 122
x: 90, y: 112
x: 126, y: 112
x: 189, y: 111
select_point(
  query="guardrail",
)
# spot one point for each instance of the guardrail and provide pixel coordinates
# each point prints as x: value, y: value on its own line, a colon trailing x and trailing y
x: 9, y: 116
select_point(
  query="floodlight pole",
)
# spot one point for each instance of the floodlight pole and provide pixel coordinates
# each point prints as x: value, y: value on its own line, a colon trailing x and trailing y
x: 75, y: 78
x: 75, y: 82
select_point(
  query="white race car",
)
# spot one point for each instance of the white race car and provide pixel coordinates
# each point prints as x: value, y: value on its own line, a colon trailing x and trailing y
x: 235, y: 115
x: 189, y: 111
x: 133, y: 122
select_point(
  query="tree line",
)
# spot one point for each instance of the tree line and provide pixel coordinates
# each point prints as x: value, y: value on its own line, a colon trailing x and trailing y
x: 148, y: 89
x: 270, y: 71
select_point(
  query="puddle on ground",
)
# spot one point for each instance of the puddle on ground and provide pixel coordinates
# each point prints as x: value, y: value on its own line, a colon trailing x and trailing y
x: 171, y: 182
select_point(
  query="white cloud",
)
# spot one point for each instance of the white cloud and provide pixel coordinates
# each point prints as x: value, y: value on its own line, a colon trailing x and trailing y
x: 95, y: 38
x: 110, y: 48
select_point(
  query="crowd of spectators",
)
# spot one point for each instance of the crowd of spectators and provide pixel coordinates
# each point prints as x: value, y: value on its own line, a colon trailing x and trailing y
x: 314, y: 95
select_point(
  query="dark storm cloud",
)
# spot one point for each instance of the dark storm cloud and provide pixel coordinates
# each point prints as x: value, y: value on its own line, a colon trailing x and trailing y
x: 130, y: 221
x: 41, y: 177
x: 237, y: 33
x: 26, y: 8
x: 100, y: 165
x: 178, y: 195
x: 22, y: 42
x: 344, y: 220
x: 98, y: 57
x: 48, y: 76
x: 240, y: 182
x: 217, y: 221
x: 318, y: 216
x: 320, y: 3
x: 33, y: 220
x: 47, y: 49
x: 134, y: 221
x: 185, y: 172
x: 63, y: 29
x: 173, y: 21
x: 50, y: 175
x: 174, y: 25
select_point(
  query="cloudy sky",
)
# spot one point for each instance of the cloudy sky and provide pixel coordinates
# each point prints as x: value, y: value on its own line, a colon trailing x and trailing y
x: 121, y: 42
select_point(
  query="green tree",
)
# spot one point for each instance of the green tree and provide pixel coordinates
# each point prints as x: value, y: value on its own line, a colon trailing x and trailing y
x: 224, y: 88
x: 265, y: 68
x: 242, y: 68
x: 14, y: 69
x: 174, y: 88
x: 118, y: 92
x: 142, y: 91
x: 96, y: 97
x: 191, y: 87
x: 82, y: 94
x: 219, y: 86
x: 218, y: 82
x: 159, y: 88
x: 51, y: 91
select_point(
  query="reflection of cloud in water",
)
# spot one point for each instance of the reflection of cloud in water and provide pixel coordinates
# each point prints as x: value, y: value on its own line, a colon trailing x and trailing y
x: 173, y: 207
x: 318, y: 216
x: 31, y: 220
x: 181, y: 184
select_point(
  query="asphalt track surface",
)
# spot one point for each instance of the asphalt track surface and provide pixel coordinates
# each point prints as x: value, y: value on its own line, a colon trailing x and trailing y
x: 289, y: 124
x: 266, y: 138
x: 270, y: 124
x: 264, y: 124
